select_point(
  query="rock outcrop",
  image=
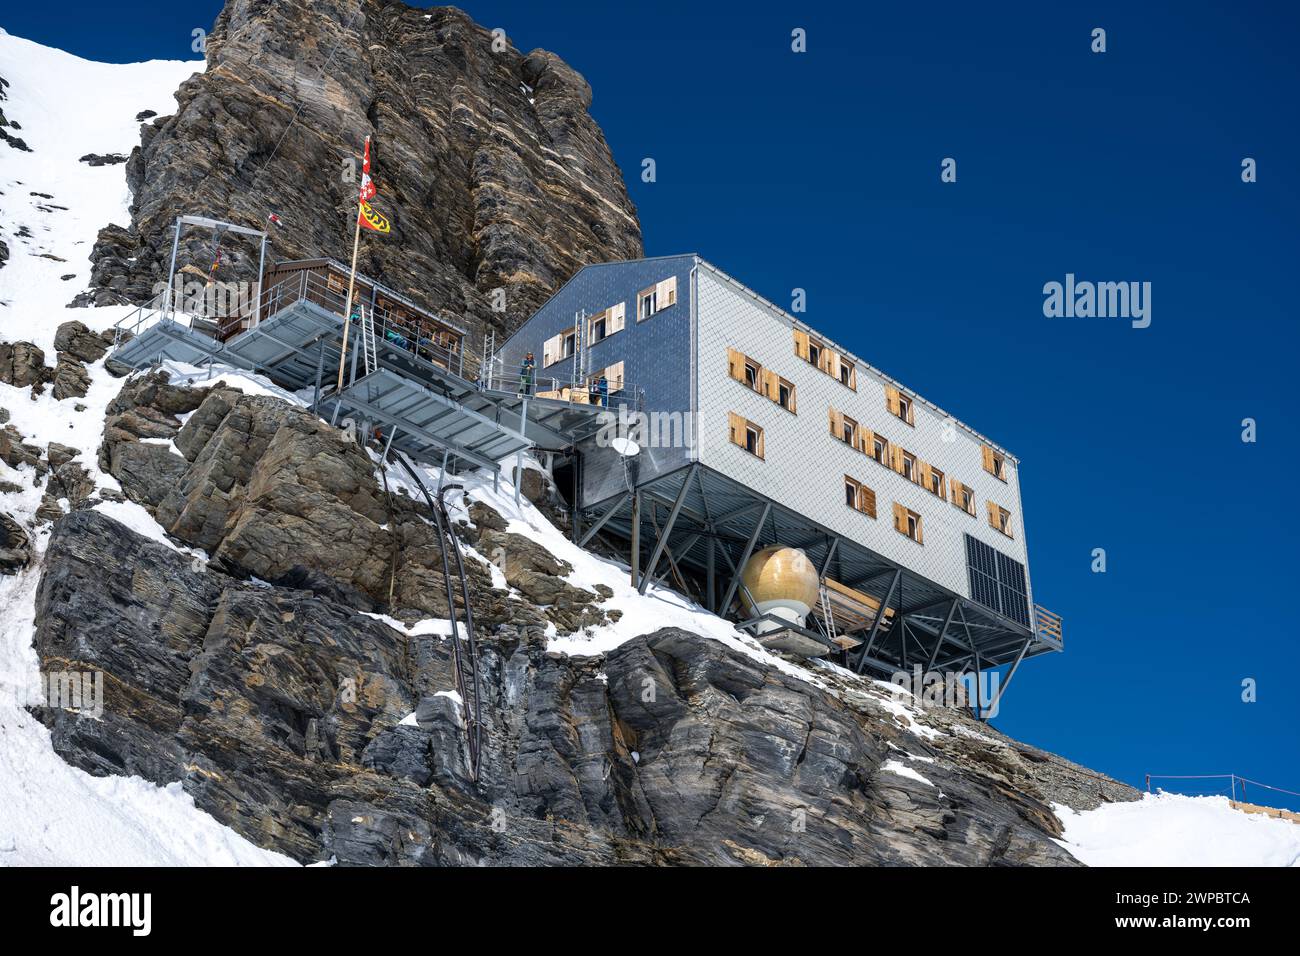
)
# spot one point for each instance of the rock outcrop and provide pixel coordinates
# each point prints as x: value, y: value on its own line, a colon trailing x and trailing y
x: 288, y: 716
x: 491, y: 169
x: 267, y: 489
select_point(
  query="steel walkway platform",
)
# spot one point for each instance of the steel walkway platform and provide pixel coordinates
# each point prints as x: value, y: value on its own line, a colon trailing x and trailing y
x: 417, y: 394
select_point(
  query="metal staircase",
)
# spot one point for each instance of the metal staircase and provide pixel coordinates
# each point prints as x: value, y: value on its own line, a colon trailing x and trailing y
x: 468, y: 683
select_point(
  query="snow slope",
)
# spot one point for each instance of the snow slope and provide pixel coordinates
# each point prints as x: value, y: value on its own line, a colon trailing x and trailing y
x: 51, y: 813
x: 1168, y: 829
x: 67, y: 107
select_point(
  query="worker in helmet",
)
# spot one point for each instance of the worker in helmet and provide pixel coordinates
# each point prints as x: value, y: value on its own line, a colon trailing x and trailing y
x: 602, y: 392
x: 526, y: 370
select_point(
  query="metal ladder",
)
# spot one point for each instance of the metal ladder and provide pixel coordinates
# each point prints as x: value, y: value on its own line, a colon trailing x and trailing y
x: 828, y: 619
x: 468, y: 683
x: 368, y: 351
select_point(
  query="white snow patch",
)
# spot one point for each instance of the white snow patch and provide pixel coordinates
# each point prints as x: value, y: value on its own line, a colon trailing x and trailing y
x: 901, y: 769
x: 1168, y: 829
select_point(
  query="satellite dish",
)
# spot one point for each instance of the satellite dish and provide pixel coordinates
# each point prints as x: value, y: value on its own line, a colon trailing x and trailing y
x: 625, y: 447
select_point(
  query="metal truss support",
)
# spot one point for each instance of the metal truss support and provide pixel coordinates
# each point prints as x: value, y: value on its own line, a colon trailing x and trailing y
x: 601, y: 521
x: 744, y: 559
x: 710, y: 573
x: 875, y: 625
x: 667, y: 530
x: 943, y: 633
x: 1002, y: 689
x: 634, y: 555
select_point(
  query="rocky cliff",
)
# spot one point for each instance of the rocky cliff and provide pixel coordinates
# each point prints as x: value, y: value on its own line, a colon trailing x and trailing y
x: 271, y: 658
x: 486, y: 159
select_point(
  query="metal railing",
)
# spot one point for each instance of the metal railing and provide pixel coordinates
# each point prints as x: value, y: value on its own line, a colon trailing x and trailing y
x: 390, y: 330
x: 131, y: 323
x: 497, y: 377
x: 1048, y: 624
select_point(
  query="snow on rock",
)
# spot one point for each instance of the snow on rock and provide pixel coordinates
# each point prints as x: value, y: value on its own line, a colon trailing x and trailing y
x: 1169, y: 829
x: 53, y: 205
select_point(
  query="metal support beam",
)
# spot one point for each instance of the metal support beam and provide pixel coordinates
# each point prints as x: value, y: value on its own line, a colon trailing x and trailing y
x: 668, y: 530
x: 1002, y: 688
x: 600, y: 522
x: 749, y: 550
x: 635, y: 553
x: 875, y: 625
x: 943, y: 631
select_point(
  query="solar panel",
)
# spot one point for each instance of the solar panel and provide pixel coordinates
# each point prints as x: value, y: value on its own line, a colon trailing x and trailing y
x: 997, y: 581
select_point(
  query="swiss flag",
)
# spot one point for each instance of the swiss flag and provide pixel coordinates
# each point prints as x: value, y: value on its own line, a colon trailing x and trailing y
x: 367, y: 187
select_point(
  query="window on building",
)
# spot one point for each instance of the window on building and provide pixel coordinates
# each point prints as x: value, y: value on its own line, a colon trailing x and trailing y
x: 747, y: 435
x: 936, y: 482
x: 785, y: 395
x: 963, y: 497
x: 753, y: 375
x: 559, y: 346
x: 849, y: 432
x: 1000, y: 518
x: 880, y: 450
x: 658, y: 297
x: 899, y: 405
x: 646, y: 304
x: 907, y: 522
x: 847, y: 373
x: 814, y: 354
x: 909, y: 466
x: 995, y: 463
x: 851, y: 492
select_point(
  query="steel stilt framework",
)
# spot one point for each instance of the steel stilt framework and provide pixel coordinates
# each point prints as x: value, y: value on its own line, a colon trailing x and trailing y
x: 714, y: 524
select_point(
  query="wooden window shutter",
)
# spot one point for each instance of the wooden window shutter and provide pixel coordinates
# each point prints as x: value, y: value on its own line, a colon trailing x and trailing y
x: 867, y: 500
x: 993, y: 516
x: 988, y: 459
x: 551, y: 350
x: 832, y: 363
x: 801, y: 344
x: 866, y: 441
x: 737, y: 429
x: 614, y: 374
x: 911, y: 412
x: 736, y: 365
x: 666, y: 293
x: 762, y: 439
x: 954, y: 488
x: 837, y: 423
x: 617, y: 318
x: 891, y: 399
x: 896, y: 458
x: 771, y: 385
x: 920, y: 531
x: 900, y: 518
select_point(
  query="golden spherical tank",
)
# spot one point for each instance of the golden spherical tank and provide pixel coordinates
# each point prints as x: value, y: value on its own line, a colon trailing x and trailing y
x: 780, y: 580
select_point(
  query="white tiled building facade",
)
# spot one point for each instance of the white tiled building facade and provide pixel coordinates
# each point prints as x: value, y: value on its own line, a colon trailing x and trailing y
x: 773, y: 403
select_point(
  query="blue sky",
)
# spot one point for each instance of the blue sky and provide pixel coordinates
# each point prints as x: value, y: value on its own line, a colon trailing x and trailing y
x: 821, y: 171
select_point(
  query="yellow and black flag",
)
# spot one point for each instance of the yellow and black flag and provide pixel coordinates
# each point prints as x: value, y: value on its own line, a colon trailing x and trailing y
x: 372, y: 219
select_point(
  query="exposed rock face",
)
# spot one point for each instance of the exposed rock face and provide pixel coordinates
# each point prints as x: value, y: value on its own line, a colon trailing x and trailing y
x: 15, y: 546
x: 267, y: 489
x: 102, y: 159
x: 281, y: 709
x: 493, y: 172
x: 23, y: 364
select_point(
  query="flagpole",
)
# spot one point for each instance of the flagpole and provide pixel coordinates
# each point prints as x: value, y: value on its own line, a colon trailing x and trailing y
x: 352, y: 278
